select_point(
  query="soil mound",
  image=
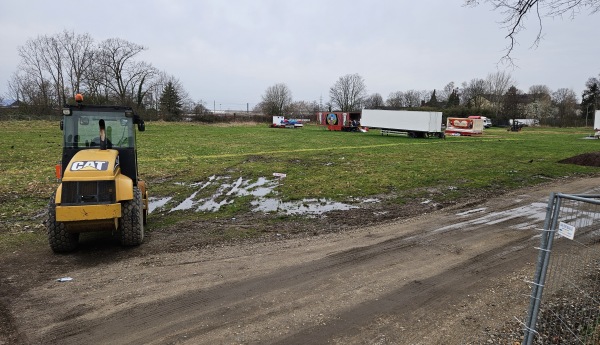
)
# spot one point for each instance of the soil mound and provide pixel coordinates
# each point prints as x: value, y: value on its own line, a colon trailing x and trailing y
x: 591, y: 159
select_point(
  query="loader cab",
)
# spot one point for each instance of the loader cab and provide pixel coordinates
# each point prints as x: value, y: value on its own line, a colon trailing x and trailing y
x: 81, y: 125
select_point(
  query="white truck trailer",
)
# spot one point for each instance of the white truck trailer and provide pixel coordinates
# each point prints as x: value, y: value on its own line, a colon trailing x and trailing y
x: 525, y: 122
x: 416, y: 124
x: 597, y: 120
x: 597, y: 124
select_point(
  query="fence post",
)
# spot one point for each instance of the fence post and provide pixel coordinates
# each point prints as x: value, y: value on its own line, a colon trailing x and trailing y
x: 552, y: 213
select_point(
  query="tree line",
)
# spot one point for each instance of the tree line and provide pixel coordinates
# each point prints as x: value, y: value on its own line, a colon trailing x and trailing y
x: 495, y: 96
x: 53, y: 68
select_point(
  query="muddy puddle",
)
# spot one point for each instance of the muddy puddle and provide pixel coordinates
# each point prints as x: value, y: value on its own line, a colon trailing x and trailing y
x: 219, y: 191
x: 523, y: 217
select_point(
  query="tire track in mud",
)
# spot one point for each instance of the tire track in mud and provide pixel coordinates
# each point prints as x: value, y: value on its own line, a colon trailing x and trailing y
x: 431, y: 293
x: 216, y: 301
x: 197, y: 313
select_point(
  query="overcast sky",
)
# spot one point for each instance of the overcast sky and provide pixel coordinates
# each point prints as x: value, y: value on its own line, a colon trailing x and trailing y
x: 227, y: 52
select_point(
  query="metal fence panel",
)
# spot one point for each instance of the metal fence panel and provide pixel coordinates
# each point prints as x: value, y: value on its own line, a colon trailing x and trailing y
x: 565, y: 298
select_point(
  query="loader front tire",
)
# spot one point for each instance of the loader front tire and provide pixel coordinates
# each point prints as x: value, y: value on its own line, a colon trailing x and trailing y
x: 59, y: 239
x: 131, y: 223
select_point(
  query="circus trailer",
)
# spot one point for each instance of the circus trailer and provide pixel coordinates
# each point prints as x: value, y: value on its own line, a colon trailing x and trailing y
x: 459, y: 126
x: 415, y: 124
x: 339, y: 120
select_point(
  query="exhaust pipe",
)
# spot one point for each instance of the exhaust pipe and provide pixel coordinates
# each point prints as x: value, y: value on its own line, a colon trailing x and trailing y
x: 102, y: 135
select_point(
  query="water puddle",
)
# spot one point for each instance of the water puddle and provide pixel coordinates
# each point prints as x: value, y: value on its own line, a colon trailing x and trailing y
x: 218, y: 191
x: 154, y: 203
x: 302, y: 207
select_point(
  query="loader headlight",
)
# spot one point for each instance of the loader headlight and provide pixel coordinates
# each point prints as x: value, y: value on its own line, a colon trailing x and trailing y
x: 67, y: 111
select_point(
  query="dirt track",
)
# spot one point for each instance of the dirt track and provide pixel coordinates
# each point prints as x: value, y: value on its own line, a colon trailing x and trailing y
x: 449, y: 277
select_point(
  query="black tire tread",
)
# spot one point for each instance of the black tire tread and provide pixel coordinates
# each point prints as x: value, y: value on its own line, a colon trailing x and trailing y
x: 59, y: 239
x: 131, y: 227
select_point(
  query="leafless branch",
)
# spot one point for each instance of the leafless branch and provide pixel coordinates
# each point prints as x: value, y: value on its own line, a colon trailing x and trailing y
x: 516, y: 11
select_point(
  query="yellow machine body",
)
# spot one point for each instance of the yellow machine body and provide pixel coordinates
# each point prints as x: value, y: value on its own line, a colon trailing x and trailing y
x: 94, y: 165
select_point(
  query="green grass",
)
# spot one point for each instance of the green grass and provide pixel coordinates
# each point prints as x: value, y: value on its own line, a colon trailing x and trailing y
x: 318, y: 164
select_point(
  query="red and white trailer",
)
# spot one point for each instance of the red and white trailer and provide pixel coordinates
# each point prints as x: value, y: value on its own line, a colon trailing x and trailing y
x: 339, y: 120
x: 464, y: 126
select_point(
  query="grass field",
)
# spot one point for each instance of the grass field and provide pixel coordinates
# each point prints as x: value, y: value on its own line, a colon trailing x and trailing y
x: 335, y: 166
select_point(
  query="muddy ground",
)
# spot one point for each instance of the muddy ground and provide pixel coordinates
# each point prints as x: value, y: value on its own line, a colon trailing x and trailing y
x: 414, y: 274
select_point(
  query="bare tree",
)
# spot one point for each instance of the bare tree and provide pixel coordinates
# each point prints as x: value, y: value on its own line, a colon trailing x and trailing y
x: 497, y: 85
x: 34, y: 80
x: 303, y: 109
x: 413, y: 98
x: 348, y: 93
x: 54, y: 68
x: 142, y: 79
x: 33, y: 95
x: 516, y: 11
x: 59, y: 60
x: 538, y: 92
x: 79, y: 50
x: 566, y: 102
x: 94, y: 84
x: 472, y: 93
x: 120, y: 71
x: 395, y: 100
x: 15, y: 88
x: 540, y: 107
x: 445, y: 93
x: 375, y: 101
x: 53, y: 58
x: 276, y: 100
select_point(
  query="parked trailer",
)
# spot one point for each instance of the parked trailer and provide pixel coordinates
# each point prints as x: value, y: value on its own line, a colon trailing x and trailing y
x: 525, y: 122
x: 416, y: 124
x: 339, y: 120
x: 281, y: 122
x: 464, y: 126
x: 597, y: 124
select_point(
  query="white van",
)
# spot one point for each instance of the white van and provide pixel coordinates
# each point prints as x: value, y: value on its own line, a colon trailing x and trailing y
x: 487, y: 122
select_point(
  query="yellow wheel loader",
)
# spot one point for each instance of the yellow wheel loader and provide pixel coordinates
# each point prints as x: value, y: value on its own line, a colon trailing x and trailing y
x: 100, y: 189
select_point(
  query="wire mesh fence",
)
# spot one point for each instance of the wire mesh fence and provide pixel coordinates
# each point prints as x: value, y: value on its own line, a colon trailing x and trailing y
x: 561, y: 304
x: 565, y: 297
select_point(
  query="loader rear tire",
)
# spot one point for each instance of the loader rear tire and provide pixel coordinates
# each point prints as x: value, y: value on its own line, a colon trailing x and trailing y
x: 59, y: 239
x: 131, y: 223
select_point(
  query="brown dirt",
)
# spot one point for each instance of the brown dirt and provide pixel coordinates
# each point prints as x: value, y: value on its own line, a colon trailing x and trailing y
x: 587, y: 159
x: 415, y: 274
